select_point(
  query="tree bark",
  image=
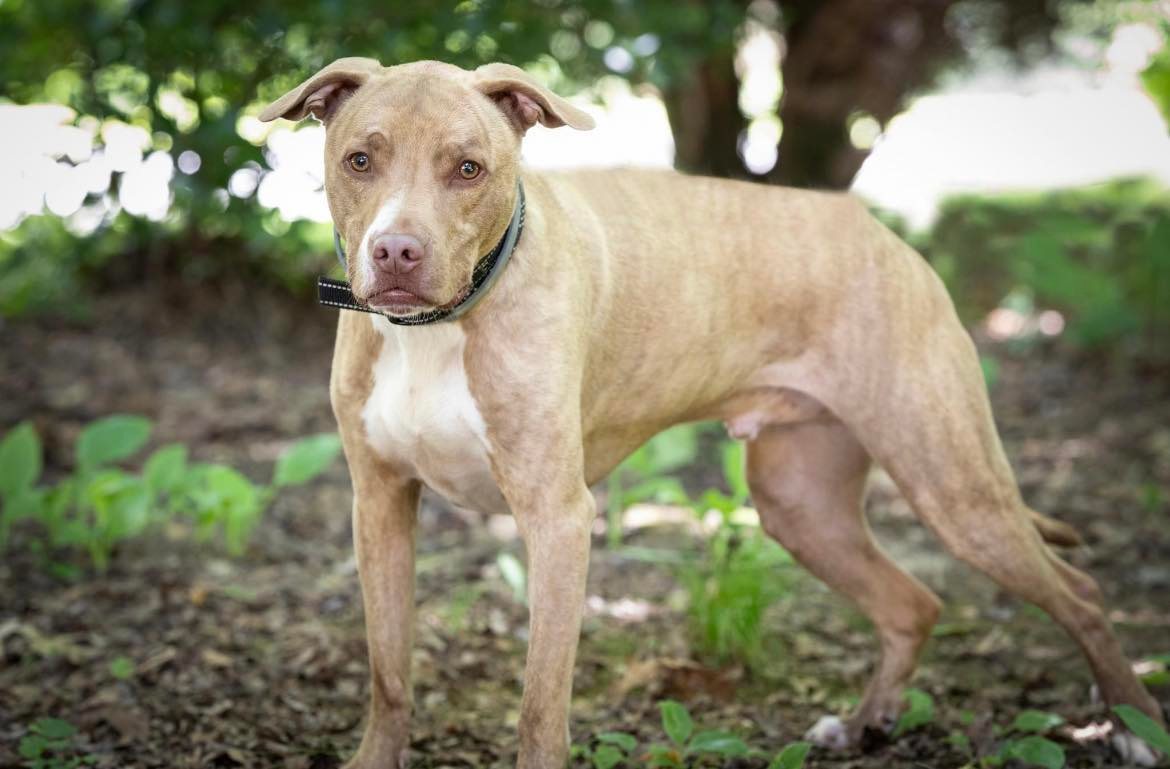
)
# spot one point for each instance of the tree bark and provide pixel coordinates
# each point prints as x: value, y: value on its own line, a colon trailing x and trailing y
x: 844, y: 57
x: 705, y: 118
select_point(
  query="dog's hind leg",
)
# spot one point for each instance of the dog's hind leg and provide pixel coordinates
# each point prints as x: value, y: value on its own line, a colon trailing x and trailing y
x: 932, y: 430
x: 808, y: 482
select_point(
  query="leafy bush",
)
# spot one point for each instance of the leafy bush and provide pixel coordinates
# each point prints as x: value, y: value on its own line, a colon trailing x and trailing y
x: 100, y: 505
x: 741, y: 572
x: 1100, y: 255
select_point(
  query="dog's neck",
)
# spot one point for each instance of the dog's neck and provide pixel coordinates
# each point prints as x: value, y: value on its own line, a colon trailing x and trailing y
x: 337, y: 293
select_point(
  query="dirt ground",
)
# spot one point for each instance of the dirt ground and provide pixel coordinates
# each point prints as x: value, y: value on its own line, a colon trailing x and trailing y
x: 260, y: 661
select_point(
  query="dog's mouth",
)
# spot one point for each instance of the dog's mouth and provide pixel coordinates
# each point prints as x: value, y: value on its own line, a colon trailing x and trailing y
x: 398, y: 301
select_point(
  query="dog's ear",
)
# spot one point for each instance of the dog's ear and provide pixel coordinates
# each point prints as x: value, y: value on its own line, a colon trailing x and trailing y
x: 323, y: 93
x: 524, y: 101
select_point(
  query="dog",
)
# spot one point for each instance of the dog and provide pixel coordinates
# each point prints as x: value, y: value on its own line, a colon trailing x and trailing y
x: 511, y: 377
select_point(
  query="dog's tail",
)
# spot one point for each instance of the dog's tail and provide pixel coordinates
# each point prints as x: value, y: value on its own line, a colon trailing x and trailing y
x: 1055, y: 532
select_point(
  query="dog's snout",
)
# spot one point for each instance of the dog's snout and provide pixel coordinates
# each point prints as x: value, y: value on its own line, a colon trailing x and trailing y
x: 398, y: 253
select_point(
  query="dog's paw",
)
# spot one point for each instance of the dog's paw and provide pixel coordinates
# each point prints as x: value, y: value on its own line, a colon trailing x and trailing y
x: 1133, y: 749
x: 828, y: 732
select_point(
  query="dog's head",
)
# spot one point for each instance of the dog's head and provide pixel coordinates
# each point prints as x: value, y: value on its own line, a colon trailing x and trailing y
x: 421, y: 162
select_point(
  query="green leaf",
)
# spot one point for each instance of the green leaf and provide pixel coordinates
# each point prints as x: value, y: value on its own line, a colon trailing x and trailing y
x: 991, y: 370
x: 121, y: 668
x: 306, y: 459
x: 919, y: 712
x: 1144, y: 726
x: 236, y: 504
x: 32, y: 746
x: 676, y: 721
x: 513, y: 573
x: 734, y: 471
x: 624, y: 741
x: 53, y: 728
x: 607, y: 757
x: 717, y: 742
x: 20, y: 460
x: 1036, y: 721
x: 111, y: 439
x: 166, y: 468
x: 1035, y: 750
x: 28, y: 503
x: 1156, y: 678
x: 792, y: 757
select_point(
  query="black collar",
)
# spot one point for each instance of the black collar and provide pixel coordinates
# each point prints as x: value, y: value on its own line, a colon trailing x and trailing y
x: 337, y: 293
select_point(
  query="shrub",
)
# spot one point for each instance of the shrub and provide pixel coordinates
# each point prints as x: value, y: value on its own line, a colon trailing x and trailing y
x: 100, y: 505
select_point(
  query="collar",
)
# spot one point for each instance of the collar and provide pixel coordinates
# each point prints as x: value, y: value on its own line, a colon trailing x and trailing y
x: 337, y: 293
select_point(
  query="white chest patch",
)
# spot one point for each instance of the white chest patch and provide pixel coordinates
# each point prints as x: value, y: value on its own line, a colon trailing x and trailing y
x: 421, y: 415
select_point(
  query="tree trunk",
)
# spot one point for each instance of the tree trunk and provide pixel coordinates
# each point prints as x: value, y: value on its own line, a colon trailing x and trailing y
x: 705, y: 118
x: 843, y: 57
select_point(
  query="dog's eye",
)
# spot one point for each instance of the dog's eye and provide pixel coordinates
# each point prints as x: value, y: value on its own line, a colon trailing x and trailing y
x: 469, y: 169
x: 359, y: 161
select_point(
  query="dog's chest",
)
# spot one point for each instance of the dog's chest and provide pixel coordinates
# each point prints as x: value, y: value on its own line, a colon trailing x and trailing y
x: 421, y: 416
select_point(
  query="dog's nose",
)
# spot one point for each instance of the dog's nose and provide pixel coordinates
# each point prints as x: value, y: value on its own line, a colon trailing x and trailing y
x: 398, y: 253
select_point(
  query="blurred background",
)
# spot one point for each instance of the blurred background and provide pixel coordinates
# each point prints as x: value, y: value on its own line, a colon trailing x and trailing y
x: 168, y: 599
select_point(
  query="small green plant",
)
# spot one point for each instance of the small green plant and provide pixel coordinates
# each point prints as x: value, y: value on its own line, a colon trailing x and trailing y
x: 1027, y: 744
x: 740, y: 574
x: 49, y: 745
x: 122, y: 668
x: 919, y: 712
x: 611, y: 749
x: 685, y: 741
x: 100, y: 505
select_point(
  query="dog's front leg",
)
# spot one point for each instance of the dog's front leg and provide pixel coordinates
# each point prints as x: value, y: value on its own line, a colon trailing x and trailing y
x: 540, y: 471
x: 555, y: 526
x: 384, y: 514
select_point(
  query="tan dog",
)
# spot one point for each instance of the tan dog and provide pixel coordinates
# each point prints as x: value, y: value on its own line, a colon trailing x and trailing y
x: 636, y: 300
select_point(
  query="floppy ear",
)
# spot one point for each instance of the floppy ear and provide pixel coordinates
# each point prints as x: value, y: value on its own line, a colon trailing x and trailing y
x: 323, y: 93
x: 524, y: 101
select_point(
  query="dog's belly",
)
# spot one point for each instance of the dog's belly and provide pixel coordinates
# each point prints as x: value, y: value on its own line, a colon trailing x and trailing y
x: 421, y: 417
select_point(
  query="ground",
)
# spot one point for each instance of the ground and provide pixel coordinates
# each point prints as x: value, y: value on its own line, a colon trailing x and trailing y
x: 259, y: 661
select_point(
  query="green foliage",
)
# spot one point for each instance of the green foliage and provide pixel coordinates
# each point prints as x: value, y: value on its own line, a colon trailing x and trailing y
x: 1156, y: 77
x: 306, y: 460
x: 1035, y: 750
x: 740, y: 574
x: 919, y: 712
x: 49, y: 744
x: 99, y: 506
x: 111, y: 439
x: 612, y: 748
x: 729, y: 588
x: 1036, y: 721
x: 122, y: 668
x: 1144, y: 726
x: 1100, y: 255
x: 676, y: 721
x: 791, y: 757
x: 645, y: 476
x: 685, y: 741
